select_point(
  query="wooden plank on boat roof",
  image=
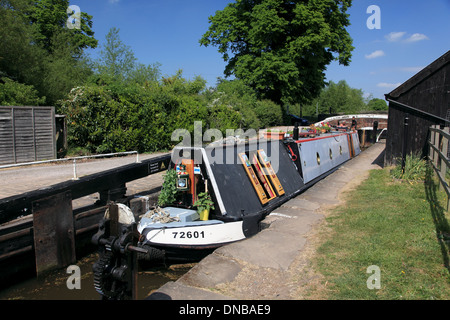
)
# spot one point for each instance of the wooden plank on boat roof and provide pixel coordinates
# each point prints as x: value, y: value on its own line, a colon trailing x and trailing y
x: 253, y: 179
x: 270, y: 172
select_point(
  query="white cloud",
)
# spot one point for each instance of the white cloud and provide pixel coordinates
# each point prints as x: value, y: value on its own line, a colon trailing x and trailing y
x: 395, y: 36
x: 417, y: 37
x: 388, y: 85
x: 375, y: 54
x: 398, y: 36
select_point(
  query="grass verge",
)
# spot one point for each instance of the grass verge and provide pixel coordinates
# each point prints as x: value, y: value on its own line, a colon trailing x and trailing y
x: 402, y: 228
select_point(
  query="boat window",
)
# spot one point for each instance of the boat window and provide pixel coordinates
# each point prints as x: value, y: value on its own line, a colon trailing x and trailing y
x: 318, y: 158
x: 331, y: 154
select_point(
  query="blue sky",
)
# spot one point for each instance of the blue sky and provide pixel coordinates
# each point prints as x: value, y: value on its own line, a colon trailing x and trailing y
x: 413, y: 34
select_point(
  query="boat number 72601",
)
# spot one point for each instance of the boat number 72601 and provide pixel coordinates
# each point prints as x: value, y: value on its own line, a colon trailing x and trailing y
x: 188, y: 234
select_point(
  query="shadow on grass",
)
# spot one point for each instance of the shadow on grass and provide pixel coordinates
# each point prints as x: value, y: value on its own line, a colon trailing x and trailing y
x: 438, y: 215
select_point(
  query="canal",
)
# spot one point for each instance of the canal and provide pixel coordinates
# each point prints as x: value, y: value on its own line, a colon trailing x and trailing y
x: 54, y: 285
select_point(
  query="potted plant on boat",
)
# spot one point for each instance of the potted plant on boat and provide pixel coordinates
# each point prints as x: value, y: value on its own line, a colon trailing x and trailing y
x: 204, y: 204
x: 326, y: 128
x: 169, y: 190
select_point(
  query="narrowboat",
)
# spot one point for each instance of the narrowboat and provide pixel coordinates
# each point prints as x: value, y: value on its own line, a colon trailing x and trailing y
x: 220, y: 193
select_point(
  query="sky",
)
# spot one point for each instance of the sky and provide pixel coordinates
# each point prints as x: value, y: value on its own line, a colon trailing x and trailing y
x: 392, y: 43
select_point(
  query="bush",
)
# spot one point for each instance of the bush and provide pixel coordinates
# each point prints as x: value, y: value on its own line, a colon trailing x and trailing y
x: 18, y: 94
x: 238, y: 97
x: 114, y: 116
x: 415, y: 169
x: 223, y: 117
x: 269, y: 113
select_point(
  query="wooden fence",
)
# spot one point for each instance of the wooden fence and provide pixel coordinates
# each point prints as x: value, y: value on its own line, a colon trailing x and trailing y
x: 438, y: 156
x: 27, y: 134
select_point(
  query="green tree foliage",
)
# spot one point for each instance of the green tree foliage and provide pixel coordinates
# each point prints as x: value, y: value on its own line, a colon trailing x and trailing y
x: 17, y: 94
x: 255, y: 113
x: 116, y: 58
x: 127, y: 105
x: 377, y: 105
x: 236, y: 95
x: 20, y: 59
x: 269, y: 113
x: 124, y: 116
x: 37, y: 49
x: 144, y: 74
x: 49, y: 20
x: 281, y: 48
x: 340, y: 97
x: 62, y: 71
x: 337, y: 98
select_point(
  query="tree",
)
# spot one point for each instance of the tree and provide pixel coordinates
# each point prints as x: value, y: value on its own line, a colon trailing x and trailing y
x: 37, y: 49
x: 20, y: 59
x: 340, y: 97
x: 377, y: 104
x: 117, y: 60
x: 49, y: 18
x: 337, y: 98
x: 237, y: 95
x: 62, y: 71
x: 281, y: 48
x: 144, y: 74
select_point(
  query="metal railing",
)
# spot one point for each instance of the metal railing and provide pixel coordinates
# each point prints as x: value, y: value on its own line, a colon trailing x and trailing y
x: 73, y: 159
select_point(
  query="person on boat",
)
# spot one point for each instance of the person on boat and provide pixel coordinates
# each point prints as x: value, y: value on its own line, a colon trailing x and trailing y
x: 342, y: 126
x: 354, y: 123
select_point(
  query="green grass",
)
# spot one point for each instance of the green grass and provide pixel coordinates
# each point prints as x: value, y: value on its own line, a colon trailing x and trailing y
x: 400, y: 227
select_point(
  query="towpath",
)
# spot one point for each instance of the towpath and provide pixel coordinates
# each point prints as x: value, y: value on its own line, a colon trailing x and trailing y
x: 275, y: 263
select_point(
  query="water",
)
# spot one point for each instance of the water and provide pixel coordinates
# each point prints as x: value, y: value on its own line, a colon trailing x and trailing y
x: 54, y: 287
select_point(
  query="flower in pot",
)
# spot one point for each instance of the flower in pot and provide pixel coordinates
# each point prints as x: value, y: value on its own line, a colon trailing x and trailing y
x: 204, y: 204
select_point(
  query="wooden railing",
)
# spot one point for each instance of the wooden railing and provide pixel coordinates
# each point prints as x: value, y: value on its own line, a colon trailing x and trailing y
x: 438, y: 156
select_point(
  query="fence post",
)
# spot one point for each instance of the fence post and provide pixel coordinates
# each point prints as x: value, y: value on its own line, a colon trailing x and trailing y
x: 444, y: 153
x: 54, y: 232
x: 75, y: 177
x: 405, y: 141
x: 436, y: 145
x: 374, y: 132
x: 431, y: 143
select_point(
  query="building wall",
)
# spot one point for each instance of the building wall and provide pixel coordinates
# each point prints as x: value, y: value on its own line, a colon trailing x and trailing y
x: 429, y: 91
